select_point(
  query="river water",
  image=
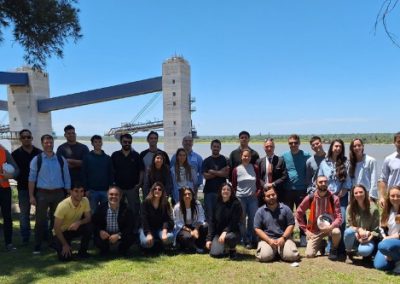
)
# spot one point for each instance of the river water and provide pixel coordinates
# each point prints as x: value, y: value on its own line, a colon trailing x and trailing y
x: 378, y: 151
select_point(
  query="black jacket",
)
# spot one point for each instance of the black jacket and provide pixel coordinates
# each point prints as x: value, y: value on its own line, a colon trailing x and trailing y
x: 279, y: 172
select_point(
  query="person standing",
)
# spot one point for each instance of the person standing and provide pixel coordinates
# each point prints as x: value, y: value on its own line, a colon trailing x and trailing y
x: 274, y: 225
x: 73, y: 152
x: 235, y: 158
x: 23, y: 157
x: 363, y: 168
x: 312, y: 164
x: 97, y: 173
x: 147, y: 155
x: 128, y: 175
x: 183, y: 175
x: 5, y: 194
x: 390, y: 175
x: 215, y: 172
x: 272, y: 170
x: 296, y: 184
x: 49, y: 175
x: 194, y: 159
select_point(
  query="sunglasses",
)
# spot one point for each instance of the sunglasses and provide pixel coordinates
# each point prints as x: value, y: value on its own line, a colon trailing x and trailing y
x: 293, y: 143
x: 157, y: 188
x: 26, y: 137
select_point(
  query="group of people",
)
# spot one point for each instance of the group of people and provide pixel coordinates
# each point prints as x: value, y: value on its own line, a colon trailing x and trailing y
x: 247, y: 199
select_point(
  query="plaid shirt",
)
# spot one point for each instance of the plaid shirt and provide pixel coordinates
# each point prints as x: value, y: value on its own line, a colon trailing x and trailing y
x: 112, y: 220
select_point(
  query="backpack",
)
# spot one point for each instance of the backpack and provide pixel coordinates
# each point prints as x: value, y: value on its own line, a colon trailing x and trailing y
x: 39, y: 165
x: 331, y: 200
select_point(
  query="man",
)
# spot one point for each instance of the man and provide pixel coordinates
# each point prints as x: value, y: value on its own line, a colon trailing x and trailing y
x: 5, y: 194
x: 97, y: 173
x: 274, y: 225
x: 72, y: 218
x: 74, y: 152
x: 296, y: 185
x: 195, y: 160
x: 272, y: 169
x: 50, y: 176
x: 215, y: 171
x: 320, y: 203
x: 147, y: 155
x: 23, y: 157
x: 128, y: 175
x: 235, y: 156
x: 113, y: 223
x: 390, y: 175
x: 312, y: 164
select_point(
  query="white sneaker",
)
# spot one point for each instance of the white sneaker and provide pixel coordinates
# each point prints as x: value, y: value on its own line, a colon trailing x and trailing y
x: 396, y: 269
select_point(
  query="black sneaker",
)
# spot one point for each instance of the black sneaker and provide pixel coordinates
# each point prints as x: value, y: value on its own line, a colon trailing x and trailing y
x: 37, y: 250
x: 83, y: 254
x: 323, y: 247
x: 333, y: 254
x: 233, y: 255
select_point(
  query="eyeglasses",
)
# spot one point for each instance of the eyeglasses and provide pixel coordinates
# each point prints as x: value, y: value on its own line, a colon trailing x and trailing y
x: 157, y: 188
x: 26, y: 137
x: 293, y: 143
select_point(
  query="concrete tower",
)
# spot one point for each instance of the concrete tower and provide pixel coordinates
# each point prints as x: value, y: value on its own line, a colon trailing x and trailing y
x: 22, y: 106
x: 177, y: 102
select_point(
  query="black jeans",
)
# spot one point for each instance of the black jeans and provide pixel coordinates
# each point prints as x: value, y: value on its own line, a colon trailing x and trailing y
x: 124, y: 243
x: 186, y: 241
x: 5, y: 204
x: 84, y: 232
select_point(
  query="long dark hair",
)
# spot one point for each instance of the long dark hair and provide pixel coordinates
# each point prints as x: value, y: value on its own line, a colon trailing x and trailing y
x: 193, y: 207
x: 186, y: 165
x: 353, y: 157
x: 164, y: 204
x: 155, y: 174
x: 354, y: 208
x: 233, y: 195
x: 341, y: 171
x: 387, y: 207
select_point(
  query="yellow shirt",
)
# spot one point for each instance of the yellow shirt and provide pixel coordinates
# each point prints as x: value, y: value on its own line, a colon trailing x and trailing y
x: 67, y: 212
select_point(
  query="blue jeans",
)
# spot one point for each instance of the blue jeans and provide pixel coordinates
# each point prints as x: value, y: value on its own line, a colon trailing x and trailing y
x: 388, y: 247
x: 249, y: 207
x: 351, y: 243
x: 156, y: 235
x: 95, y: 198
x: 24, y: 215
x: 210, y: 201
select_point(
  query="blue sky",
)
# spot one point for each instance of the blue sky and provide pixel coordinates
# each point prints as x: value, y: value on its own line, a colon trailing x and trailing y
x: 266, y: 66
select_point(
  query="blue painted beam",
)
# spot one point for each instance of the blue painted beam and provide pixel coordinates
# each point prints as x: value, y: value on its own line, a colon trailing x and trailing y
x: 14, y: 78
x: 4, y: 105
x: 101, y: 95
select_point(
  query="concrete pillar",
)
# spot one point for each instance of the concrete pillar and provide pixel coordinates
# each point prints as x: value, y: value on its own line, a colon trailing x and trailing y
x: 22, y: 107
x: 177, y: 103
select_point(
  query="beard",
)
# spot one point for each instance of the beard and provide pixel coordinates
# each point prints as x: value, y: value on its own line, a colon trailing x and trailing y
x: 126, y: 147
x: 322, y: 188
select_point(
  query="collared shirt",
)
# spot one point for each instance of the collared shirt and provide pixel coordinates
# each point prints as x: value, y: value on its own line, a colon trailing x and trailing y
x: 274, y: 223
x: 23, y: 160
x: 69, y: 213
x: 366, y: 174
x: 112, y: 220
x: 328, y: 168
x: 49, y: 176
x: 391, y: 170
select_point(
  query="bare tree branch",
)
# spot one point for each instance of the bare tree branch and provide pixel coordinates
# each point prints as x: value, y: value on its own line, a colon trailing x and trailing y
x: 382, y: 17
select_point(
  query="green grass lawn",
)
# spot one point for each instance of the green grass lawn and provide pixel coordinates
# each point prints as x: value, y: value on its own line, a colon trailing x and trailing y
x: 22, y: 267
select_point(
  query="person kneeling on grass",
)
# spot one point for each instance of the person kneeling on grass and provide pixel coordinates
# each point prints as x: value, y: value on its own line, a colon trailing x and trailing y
x: 224, y: 225
x: 362, y: 224
x: 323, y: 205
x: 190, y: 228
x: 72, y: 218
x: 388, y: 255
x: 156, y: 218
x: 113, y: 225
x: 274, y: 224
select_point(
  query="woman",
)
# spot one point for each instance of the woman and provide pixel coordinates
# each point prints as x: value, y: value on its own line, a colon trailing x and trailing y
x: 182, y: 174
x: 156, y: 218
x: 224, y: 225
x: 334, y: 167
x: 246, y: 182
x: 190, y: 229
x: 362, y: 224
x: 363, y: 168
x: 388, y: 255
x: 158, y: 171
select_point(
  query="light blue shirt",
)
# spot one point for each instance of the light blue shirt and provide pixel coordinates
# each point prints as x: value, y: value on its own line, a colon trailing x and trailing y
x: 391, y: 170
x: 49, y: 176
x: 328, y: 168
x: 366, y: 174
x: 196, y: 162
